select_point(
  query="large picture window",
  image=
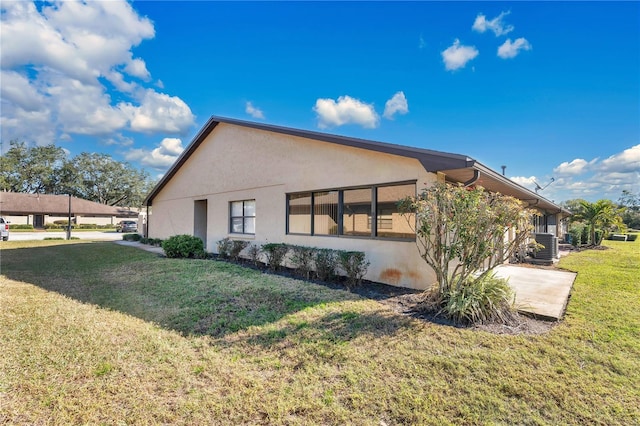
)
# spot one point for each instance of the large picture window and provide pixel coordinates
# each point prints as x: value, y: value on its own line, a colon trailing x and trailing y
x: 392, y: 224
x: 243, y: 217
x: 300, y: 213
x: 356, y: 212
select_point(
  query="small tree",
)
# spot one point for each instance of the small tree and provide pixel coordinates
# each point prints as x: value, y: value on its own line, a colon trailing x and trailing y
x: 460, y: 232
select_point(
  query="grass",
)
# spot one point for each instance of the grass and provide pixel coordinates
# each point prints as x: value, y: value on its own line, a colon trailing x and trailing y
x: 97, y: 333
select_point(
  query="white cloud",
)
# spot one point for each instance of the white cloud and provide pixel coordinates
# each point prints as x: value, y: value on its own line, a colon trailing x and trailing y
x: 54, y: 65
x: 159, y: 112
x: 496, y: 25
x: 138, y: 68
x: 527, y: 182
x: 346, y: 110
x: 575, y: 167
x: 396, y: 105
x: 253, y: 111
x: 510, y: 50
x: 456, y: 56
x: 17, y: 89
x: 160, y: 158
x: 628, y: 161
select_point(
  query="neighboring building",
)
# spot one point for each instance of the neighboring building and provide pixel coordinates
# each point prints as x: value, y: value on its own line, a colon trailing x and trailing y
x: 266, y: 183
x: 41, y: 209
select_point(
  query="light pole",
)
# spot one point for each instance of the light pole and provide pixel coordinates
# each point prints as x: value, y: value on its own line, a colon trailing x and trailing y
x: 69, y: 221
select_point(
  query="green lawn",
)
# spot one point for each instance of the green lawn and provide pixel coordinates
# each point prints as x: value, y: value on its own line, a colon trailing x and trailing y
x: 96, y: 333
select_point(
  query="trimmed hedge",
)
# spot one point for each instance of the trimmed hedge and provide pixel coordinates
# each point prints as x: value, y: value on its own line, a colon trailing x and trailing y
x: 184, y: 246
x: 21, y: 226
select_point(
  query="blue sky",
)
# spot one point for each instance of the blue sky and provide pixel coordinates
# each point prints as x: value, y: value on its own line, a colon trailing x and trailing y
x: 551, y: 90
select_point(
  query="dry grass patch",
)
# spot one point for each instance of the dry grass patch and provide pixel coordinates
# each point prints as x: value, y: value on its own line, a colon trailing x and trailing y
x: 113, y: 335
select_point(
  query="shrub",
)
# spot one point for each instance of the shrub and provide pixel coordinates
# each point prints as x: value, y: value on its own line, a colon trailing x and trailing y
x: 224, y: 248
x: 87, y: 226
x: 184, y: 246
x: 479, y: 301
x: 255, y: 252
x: 155, y: 242
x: 575, y: 233
x: 584, y: 235
x: 132, y: 237
x: 20, y: 226
x: 144, y: 240
x: 325, y: 262
x: 53, y: 239
x: 354, y: 264
x: 236, y: 247
x: 302, y: 259
x: 275, y: 254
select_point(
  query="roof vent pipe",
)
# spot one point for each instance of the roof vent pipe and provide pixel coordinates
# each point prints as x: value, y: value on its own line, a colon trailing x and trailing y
x: 474, y: 179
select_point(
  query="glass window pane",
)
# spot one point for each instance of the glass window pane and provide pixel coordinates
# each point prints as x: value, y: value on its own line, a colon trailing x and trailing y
x: 249, y: 225
x: 325, y: 213
x: 250, y: 208
x: 390, y: 222
x: 236, y: 209
x: 236, y: 225
x: 356, y: 218
x: 300, y: 213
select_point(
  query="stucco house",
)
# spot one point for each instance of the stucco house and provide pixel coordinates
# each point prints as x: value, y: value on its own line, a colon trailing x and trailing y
x: 41, y: 209
x: 265, y: 183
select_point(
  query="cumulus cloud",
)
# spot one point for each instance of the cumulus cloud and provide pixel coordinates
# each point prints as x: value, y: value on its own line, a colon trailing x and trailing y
x: 346, y: 110
x: 527, y: 182
x: 253, y: 111
x: 510, y: 50
x: 159, y: 112
x: 456, y: 56
x: 56, y: 61
x: 627, y: 161
x: 575, y: 167
x: 481, y: 24
x: 396, y: 105
x: 160, y: 158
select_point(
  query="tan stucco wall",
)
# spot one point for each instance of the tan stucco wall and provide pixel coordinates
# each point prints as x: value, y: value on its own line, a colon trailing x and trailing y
x: 237, y: 163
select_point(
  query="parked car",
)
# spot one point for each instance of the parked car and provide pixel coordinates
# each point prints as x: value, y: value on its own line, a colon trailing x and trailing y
x: 127, y: 226
x: 4, y: 228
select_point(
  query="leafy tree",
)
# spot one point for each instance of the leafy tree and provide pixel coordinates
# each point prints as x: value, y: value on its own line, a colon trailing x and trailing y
x: 602, y: 214
x: 630, y: 202
x: 572, y: 205
x: 95, y: 177
x: 100, y: 178
x: 460, y: 233
x: 31, y: 169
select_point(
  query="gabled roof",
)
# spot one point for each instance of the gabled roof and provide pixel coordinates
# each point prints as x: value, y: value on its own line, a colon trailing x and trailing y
x: 461, y: 168
x: 57, y: 205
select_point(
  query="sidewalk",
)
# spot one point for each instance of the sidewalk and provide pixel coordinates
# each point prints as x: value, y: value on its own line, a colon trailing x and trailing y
x: 146, y: 247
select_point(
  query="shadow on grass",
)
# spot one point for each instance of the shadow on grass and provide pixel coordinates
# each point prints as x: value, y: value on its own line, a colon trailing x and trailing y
x: 193, y: 297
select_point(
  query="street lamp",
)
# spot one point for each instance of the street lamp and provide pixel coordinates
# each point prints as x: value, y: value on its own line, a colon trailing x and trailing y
x: 69, y: 221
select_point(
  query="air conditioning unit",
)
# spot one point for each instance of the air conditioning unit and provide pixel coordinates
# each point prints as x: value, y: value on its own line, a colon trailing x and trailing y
x: 550, y: 243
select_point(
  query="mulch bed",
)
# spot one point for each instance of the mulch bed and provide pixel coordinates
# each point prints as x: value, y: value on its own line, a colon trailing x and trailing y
x: 409, y: 302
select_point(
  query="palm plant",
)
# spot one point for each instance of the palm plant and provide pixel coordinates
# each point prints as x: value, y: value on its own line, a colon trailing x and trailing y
x: 602, y: 214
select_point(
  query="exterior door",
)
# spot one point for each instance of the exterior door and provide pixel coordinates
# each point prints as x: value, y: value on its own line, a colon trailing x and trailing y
x: 38, y: 221
x: 200, y: 220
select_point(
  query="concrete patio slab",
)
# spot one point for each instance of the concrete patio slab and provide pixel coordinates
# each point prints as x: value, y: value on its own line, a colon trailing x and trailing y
x: 542, y: 292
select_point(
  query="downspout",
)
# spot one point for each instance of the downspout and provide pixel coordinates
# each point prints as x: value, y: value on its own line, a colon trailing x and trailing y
x: 474, y: 179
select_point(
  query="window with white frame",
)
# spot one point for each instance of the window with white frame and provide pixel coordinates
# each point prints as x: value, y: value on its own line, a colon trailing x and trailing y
x: 242, y: 217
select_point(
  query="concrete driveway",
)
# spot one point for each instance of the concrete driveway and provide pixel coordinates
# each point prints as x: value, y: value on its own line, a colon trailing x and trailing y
x: 542, y: 292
